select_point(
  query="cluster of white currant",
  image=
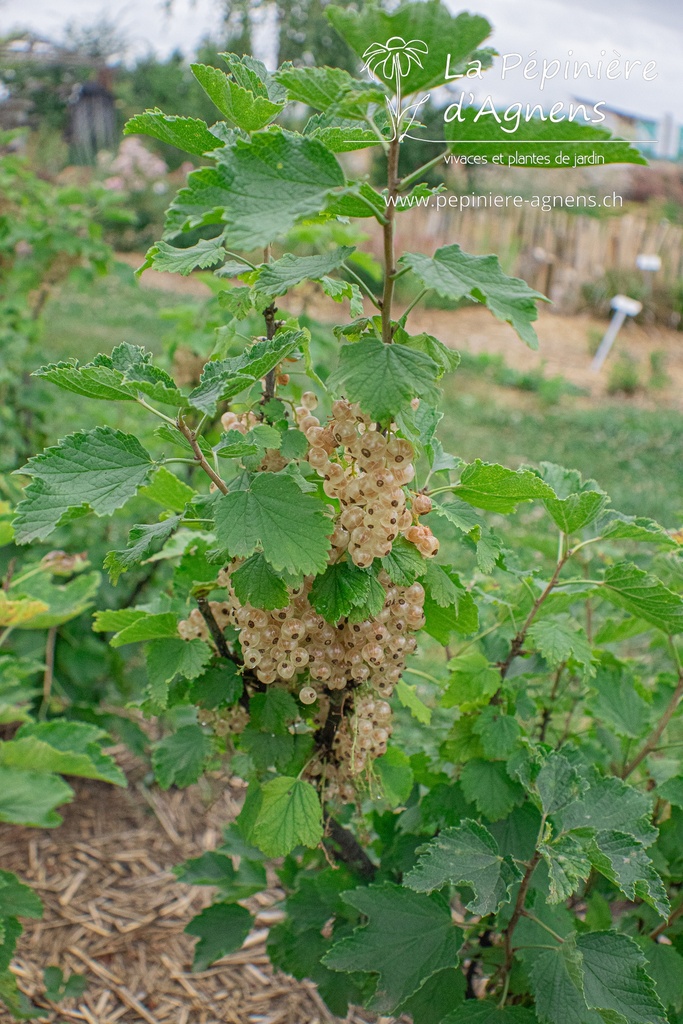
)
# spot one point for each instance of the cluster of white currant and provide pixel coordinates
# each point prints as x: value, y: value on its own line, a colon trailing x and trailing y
x: 366, y: 472
x: 282, y: 644
x: 225, y: 721
x: 361, y: 737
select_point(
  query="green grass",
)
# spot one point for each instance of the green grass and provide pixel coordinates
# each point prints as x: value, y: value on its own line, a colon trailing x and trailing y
x: 634, y: 454
x: 82, y: 321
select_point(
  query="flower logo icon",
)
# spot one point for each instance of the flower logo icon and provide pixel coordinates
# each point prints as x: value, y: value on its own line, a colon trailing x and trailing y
x: 395, y: 58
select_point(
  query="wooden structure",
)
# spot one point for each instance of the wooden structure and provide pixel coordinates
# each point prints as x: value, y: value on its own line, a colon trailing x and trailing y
x: 85, y: 85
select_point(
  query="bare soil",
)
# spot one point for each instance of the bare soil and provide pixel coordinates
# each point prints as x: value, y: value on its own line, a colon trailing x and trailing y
x: 115, y: 912
x: 564, y: 341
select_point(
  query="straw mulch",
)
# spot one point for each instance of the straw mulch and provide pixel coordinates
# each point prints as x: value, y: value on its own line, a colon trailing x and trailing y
x: 115, y: 913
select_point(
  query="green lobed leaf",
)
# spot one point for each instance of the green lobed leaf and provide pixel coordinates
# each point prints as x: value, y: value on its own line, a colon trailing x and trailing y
x: 577, y: 504
x: 216, y: 869
x: 146, y: 626
x: 396, y: 776
x: 408, y: 938
x: 558, y: 783
x: 273, y: 711
x: 278, y: 277
x: 238, y: 301
x: 223, y: 379
x: 498, y: 489
x: 239, y: 105
x: 259, y: 190
x: 205, y: 253
x: 170, y: 658
x: 624, y: 862
x: 609, y: 803
x: 556, y: 979
x: 445, y: 623
x: 617, y: 702
x: 30, y: 798
x: 342, y: 587
x: 341, y: 135
x: 434, y: 1002
x: 473, y: 682
x: 456, y: 275
x: 614, y: 978
x: 91, y: 380
x: 384, y: 379
x: 665, y: 967
x: 257, y: 583
x: 218, y: 687
x: 96, y: 471
x: 488, y: 785
x: 167, y: 490
x: 466, y: 855
x: 63, y: 601
x: 137, y: 369
x: 568, y: 866
x: 179, y: 759
x: 448, y: 37
x: 187, y: 133
x: 17, y: 899
x: 221, y: 928
x: 291, y: 528
x: 408, y: 697
x: 123, y: 376
x: 498, y: 732
x: 672, y: 790
x: 404, y: 563
x: 142, y: 541
x: 560, y: 638
x: 620, y: 527
x: 642, y: 594
x: 290, y: 815
x: 372, y: 603
x: 487, y: 135
x: 439, y: 585
x: 113, y: 620
x: 70, y: 748
x: 253, y: 75
x: 329, y: 89
x: 293, y: 444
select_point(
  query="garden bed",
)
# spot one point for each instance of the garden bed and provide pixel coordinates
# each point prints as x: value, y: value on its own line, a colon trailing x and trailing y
x: 115, y: 913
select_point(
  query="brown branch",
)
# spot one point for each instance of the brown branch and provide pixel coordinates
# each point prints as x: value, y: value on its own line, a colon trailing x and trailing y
x: 393, y: 185
x: 347, y: 849
x: 673, y: 916
x: 200, y: 458
x: 271, y: 326
x: 518, y: 641
x: 11, y: 566
x: 548, y: 709
x: 655, y: 736
x: 519, y: 909
x: 48, y: 677
x: 215, y: 630
x: 224, y: 651
x: 324, y: 736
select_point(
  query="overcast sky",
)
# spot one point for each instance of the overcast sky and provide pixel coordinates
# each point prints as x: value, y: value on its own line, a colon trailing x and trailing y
x: 638, y: 29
